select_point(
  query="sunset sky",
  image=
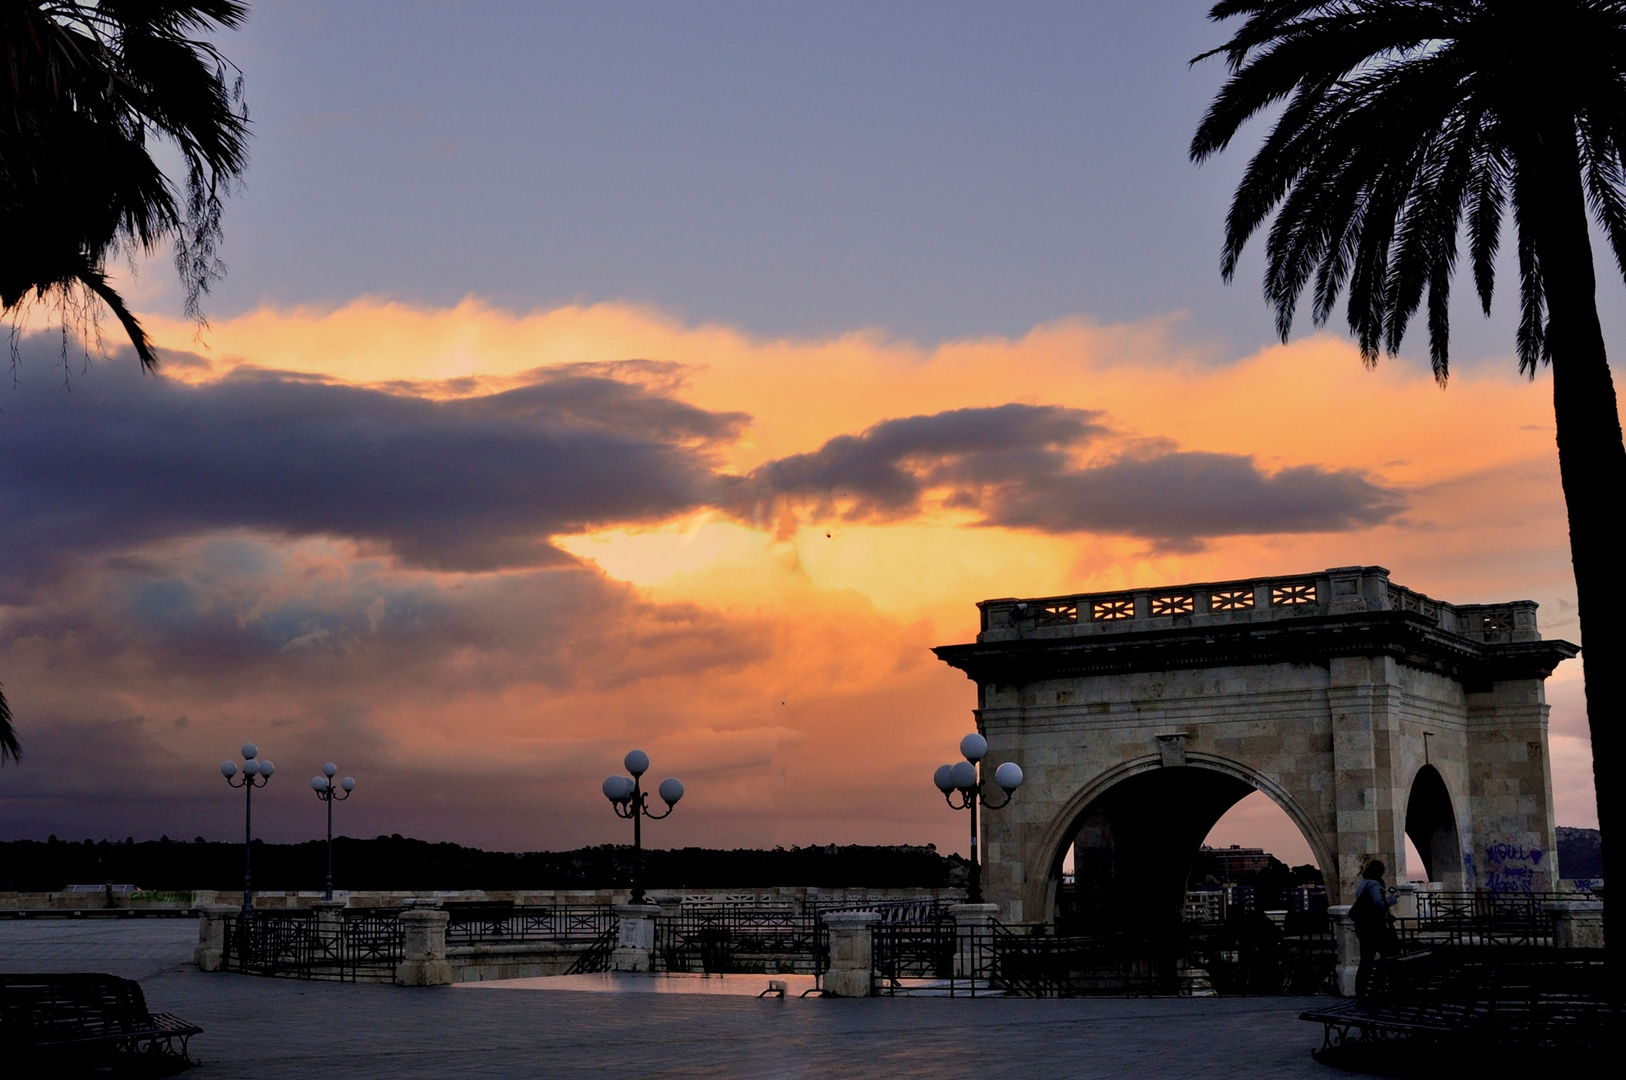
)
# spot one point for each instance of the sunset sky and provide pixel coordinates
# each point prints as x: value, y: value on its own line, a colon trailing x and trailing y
x: 674, y: 376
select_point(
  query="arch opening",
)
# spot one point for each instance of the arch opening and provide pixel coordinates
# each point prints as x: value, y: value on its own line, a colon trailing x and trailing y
x: 1431, y: 825
x: 1136, y: 851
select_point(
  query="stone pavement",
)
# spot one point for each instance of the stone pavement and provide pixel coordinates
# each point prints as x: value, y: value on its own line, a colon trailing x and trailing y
x: 276, y: 1028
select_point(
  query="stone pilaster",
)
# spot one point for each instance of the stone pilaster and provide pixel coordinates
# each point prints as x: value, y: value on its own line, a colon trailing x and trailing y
x: 852, y: 953
x: 423, y: 961
x: 1515, y: 846
x: 1577, y: 924
x: 973, y: 923
x: 635, y: 937
x: 1346, y: 950
x: 1370, y: 800
x: 211, y: 936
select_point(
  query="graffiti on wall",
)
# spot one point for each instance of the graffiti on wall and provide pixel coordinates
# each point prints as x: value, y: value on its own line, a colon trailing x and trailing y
x: 1511, y: 867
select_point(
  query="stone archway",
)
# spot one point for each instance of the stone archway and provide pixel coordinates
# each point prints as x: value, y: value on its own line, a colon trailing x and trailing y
x: 1145, y: 822
x: 1329, y: 692
x: 1432, y: 825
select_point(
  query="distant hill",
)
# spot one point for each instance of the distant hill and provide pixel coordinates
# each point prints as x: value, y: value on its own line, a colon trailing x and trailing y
x: 396, y: 862
x: 1580, y: 853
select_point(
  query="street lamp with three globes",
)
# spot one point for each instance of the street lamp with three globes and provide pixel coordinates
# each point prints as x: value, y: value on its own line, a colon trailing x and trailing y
x: 629, y: 800
x: 256, y: 773
x: 327, y: 789
x: 965, y: 780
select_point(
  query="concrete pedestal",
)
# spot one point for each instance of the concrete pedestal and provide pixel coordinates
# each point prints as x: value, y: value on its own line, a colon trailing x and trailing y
x: 423, y: 961
x: 1346, y: 949
x: 211, y: 936
x: 852, y: 953
x: 635, y: 937
x: 972, y: 923
x: 1577, y: 924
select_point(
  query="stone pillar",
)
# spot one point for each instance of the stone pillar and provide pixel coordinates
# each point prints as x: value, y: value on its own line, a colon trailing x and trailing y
x: 329, y: 915
x: 1346, y: 950
x: 1363, y: 696
x: 973, y: 923
x: 211, y: 936
x: 635, y: 937
x: 1514, y: 846
x: 852, y: 953
x: 424, y: 960
x: 1577, y: 924
x: 1405, y: 900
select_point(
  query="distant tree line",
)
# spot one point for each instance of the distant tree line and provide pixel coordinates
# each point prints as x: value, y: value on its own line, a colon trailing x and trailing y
x: 396, y: 862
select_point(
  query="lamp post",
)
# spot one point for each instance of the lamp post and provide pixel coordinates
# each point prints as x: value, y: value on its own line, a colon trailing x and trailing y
x: 965, y: 779
x: 629, y: 800
x: 255, y: 774
x: 326, y: 790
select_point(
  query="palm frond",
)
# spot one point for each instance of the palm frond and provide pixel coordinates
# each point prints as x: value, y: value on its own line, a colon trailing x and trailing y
x: 88, y: 91
x: 1400, y: 129
x: 9, y: 746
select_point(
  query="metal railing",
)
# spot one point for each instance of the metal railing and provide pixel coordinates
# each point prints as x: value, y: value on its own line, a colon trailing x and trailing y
x: 485, y: 924
x: 1034, y: 961
x: 596, y: 957
x: 361, y: 946
x: 1487, y: 906
x: 909, y: 956
x: 727, y: 939
x: 1505, y: 919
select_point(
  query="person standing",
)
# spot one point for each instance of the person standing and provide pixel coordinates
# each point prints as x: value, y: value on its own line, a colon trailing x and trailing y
x: 1370, y: 914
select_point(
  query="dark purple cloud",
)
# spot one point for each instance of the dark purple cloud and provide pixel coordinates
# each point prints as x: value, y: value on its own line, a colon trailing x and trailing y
x: 885, y: 471
x: 1015, y: 464
x: 474, y: 483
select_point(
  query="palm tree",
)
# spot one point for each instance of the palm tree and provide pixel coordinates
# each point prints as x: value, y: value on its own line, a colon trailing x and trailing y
x: 88, y: 90
x: 1405, y: 124
x: 8, y: 737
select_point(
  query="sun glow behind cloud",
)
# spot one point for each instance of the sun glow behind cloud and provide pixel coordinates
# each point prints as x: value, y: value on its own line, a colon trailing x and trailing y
x: 775, y: 657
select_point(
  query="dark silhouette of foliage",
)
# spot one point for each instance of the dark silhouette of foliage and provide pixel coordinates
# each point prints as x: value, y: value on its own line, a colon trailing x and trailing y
x: 1406, y: 126
x: 9, y: 747
x: 88, y: 92
x: 397, y: 862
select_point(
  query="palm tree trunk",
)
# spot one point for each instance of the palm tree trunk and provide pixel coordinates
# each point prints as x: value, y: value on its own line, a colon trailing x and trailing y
x: 1592, y: 468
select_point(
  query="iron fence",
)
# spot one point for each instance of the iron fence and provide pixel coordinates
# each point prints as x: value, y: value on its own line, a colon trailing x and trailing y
x: 909, y: 956
x: 1506, y: 919
x: 1036, y: 961
x: 728, y: 939
x: 1486, y: 906
x: 361, y: 946
x: 483, y: 924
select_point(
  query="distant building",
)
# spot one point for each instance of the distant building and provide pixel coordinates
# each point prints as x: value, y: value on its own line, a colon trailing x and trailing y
x: 1227, y: 864
x: 1204, y: 906
x: 1304, y: 899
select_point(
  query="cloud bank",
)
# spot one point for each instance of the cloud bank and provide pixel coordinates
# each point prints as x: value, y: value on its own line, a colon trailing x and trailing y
x: 474, y: 559
x: 485, y: 481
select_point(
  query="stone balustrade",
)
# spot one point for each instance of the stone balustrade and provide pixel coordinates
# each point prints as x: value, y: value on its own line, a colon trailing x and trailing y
x: 1341, y: 590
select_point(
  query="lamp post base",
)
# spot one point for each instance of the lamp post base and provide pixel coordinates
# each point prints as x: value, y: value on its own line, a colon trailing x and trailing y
x: 635, y: 937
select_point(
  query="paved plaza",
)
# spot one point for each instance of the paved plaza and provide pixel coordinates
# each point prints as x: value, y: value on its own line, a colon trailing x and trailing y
x: 274, y: 1028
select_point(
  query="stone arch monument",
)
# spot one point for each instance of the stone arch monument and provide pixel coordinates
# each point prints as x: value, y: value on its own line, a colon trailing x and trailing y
x: 1366, y: 711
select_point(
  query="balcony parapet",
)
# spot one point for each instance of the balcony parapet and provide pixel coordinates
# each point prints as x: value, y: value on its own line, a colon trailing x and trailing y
x: 1343, y: 590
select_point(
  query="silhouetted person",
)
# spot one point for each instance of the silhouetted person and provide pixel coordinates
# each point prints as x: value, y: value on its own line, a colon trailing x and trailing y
x: 1370, y: 914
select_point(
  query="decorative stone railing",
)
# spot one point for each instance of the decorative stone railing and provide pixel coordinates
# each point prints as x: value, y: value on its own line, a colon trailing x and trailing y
x: 1342, y: 590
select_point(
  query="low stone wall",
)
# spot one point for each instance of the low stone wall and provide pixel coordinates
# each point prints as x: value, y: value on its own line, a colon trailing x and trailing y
x: 190, y: 902
x: 516, y: 960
